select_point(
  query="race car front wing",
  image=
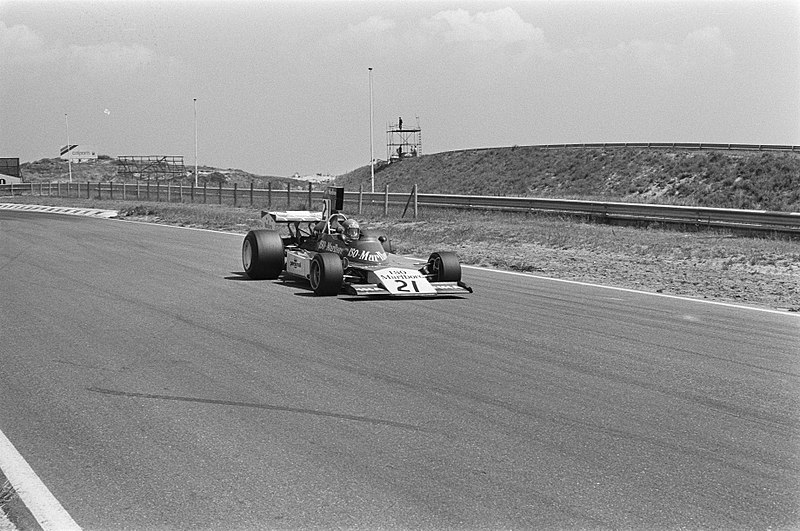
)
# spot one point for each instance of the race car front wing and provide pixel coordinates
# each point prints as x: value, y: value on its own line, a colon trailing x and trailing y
x: 439, y: 289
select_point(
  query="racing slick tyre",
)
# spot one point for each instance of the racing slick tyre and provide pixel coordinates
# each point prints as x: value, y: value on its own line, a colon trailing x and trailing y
x: 326, y: 274
x: 445, y: 267
x: 262, y: 254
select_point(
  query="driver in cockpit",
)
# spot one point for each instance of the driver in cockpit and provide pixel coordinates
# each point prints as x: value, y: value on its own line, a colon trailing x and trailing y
x: 350, y: 230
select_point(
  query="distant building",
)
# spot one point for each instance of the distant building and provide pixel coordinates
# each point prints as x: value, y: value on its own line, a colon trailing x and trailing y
x: 8, y: 179
x: 316, y: 178
x: 79, y: 153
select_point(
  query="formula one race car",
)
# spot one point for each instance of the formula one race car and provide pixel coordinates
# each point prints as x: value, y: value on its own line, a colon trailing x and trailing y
x: 335, y: 255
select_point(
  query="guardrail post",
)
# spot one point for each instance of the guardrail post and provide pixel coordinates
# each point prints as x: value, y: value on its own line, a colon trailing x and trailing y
x: 99, y: 191
x: 269, y: 194
x: 360, y: 198
x: 288, y: 195
x: 386, y: 201
x: 87, y: 190
x: 111, y: 189
x: 205, y: 192
x: 147, y: 191
x: 416, y: 203
x: 124, y: 196
x: 309, y: 196
x: 181, y: 191
x: 235, y: 189
x: 158, y: 191
x: 192, y: 192
x: 169, y: 192
x: 219, y: 194
x: 251, y: 194
x: 58, y: 189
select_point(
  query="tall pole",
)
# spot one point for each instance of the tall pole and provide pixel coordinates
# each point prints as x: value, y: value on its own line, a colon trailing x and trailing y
x: 69, y: 151
x: 371, y: 143
x: 195, y: 142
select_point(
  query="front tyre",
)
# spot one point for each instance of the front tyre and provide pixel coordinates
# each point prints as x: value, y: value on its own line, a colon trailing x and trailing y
x: 444, y: 267
x: 326, y: 274
x: 262, y: 254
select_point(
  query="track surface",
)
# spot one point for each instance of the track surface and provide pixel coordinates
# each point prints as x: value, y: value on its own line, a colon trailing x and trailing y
x: 150, y: 386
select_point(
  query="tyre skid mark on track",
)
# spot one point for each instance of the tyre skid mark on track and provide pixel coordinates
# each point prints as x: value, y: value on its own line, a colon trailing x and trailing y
x: 269, y: 407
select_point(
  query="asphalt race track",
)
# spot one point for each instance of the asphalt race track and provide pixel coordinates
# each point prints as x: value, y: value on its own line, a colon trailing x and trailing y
x: 150, y: 386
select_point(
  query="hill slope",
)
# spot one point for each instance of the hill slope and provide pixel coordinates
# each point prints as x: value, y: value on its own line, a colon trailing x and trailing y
x: 106, y: 169
x: 726, y: 179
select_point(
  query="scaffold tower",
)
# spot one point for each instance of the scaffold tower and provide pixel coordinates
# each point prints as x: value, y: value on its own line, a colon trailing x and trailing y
x: 403, y: 141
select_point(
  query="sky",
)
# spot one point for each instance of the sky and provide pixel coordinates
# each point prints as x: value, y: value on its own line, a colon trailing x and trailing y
x: 285, y: 87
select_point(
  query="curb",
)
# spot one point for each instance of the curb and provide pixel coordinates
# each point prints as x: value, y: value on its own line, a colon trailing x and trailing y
x: 89, y: 212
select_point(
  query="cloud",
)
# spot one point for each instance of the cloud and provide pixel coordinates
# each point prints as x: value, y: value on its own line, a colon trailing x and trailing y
x: 373, y: 25
x: 21, y: 45
x: 503, y: 26
x: 706, y: 45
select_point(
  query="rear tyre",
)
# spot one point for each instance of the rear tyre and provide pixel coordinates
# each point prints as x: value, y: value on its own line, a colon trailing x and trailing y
x: 262, y: 254
x: 444, y: 267
x: 326, y: 274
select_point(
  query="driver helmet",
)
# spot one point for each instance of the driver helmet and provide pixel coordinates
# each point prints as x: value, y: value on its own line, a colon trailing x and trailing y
x: 350, y: 230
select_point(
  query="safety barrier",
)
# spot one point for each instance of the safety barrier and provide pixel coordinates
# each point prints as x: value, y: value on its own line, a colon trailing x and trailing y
x: 299, y: 197
x: 684, y: 146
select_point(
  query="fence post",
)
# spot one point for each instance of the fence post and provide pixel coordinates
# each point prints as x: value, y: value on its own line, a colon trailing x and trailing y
x: 58, y: 189
x: 99, y: 191
x: 251, y: 194
x: 49, y: 188
x: 288, y: 195
x: 111, y: 189
x: 386, y: 202
x: 416, y: 206
x: 205, y: 192
x: 147, y: 191
x: 181, y: 191
x: 169, y: 192
x: 138, y: 189
x: 124, y: 196
x: 158, y: 191
x: 192, y: 195
x: 219, y: 195
x: 360, y: 198
x: 87, y: 190
x: 309, y: 196
x: 269, y: 194
x: 235, y: 190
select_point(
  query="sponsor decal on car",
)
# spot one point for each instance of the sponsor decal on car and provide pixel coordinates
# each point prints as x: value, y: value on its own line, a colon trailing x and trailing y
x: 361, y: 255
x: 399, y: 281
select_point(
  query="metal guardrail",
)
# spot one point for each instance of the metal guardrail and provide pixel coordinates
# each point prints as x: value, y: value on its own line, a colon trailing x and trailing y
x: 712, y: 217
x: 288, y: 197
x: 691, y: 146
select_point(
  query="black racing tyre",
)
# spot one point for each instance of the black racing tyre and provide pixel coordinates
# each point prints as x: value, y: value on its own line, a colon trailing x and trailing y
x: 445, y: 267
x: 326, y: 274
x: 262, y: 254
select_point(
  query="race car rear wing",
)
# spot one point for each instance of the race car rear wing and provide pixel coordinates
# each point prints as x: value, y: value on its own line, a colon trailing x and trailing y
x: 293, y: 216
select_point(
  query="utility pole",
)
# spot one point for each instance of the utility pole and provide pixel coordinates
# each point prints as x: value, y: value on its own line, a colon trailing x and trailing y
x: 371, y: 143
x: 69, y: 151
x: 195, y: 142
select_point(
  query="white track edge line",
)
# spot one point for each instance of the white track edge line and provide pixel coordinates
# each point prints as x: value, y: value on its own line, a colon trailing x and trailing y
x: 539, y: 277
x: 32, y: 491
x: 639, y: 292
